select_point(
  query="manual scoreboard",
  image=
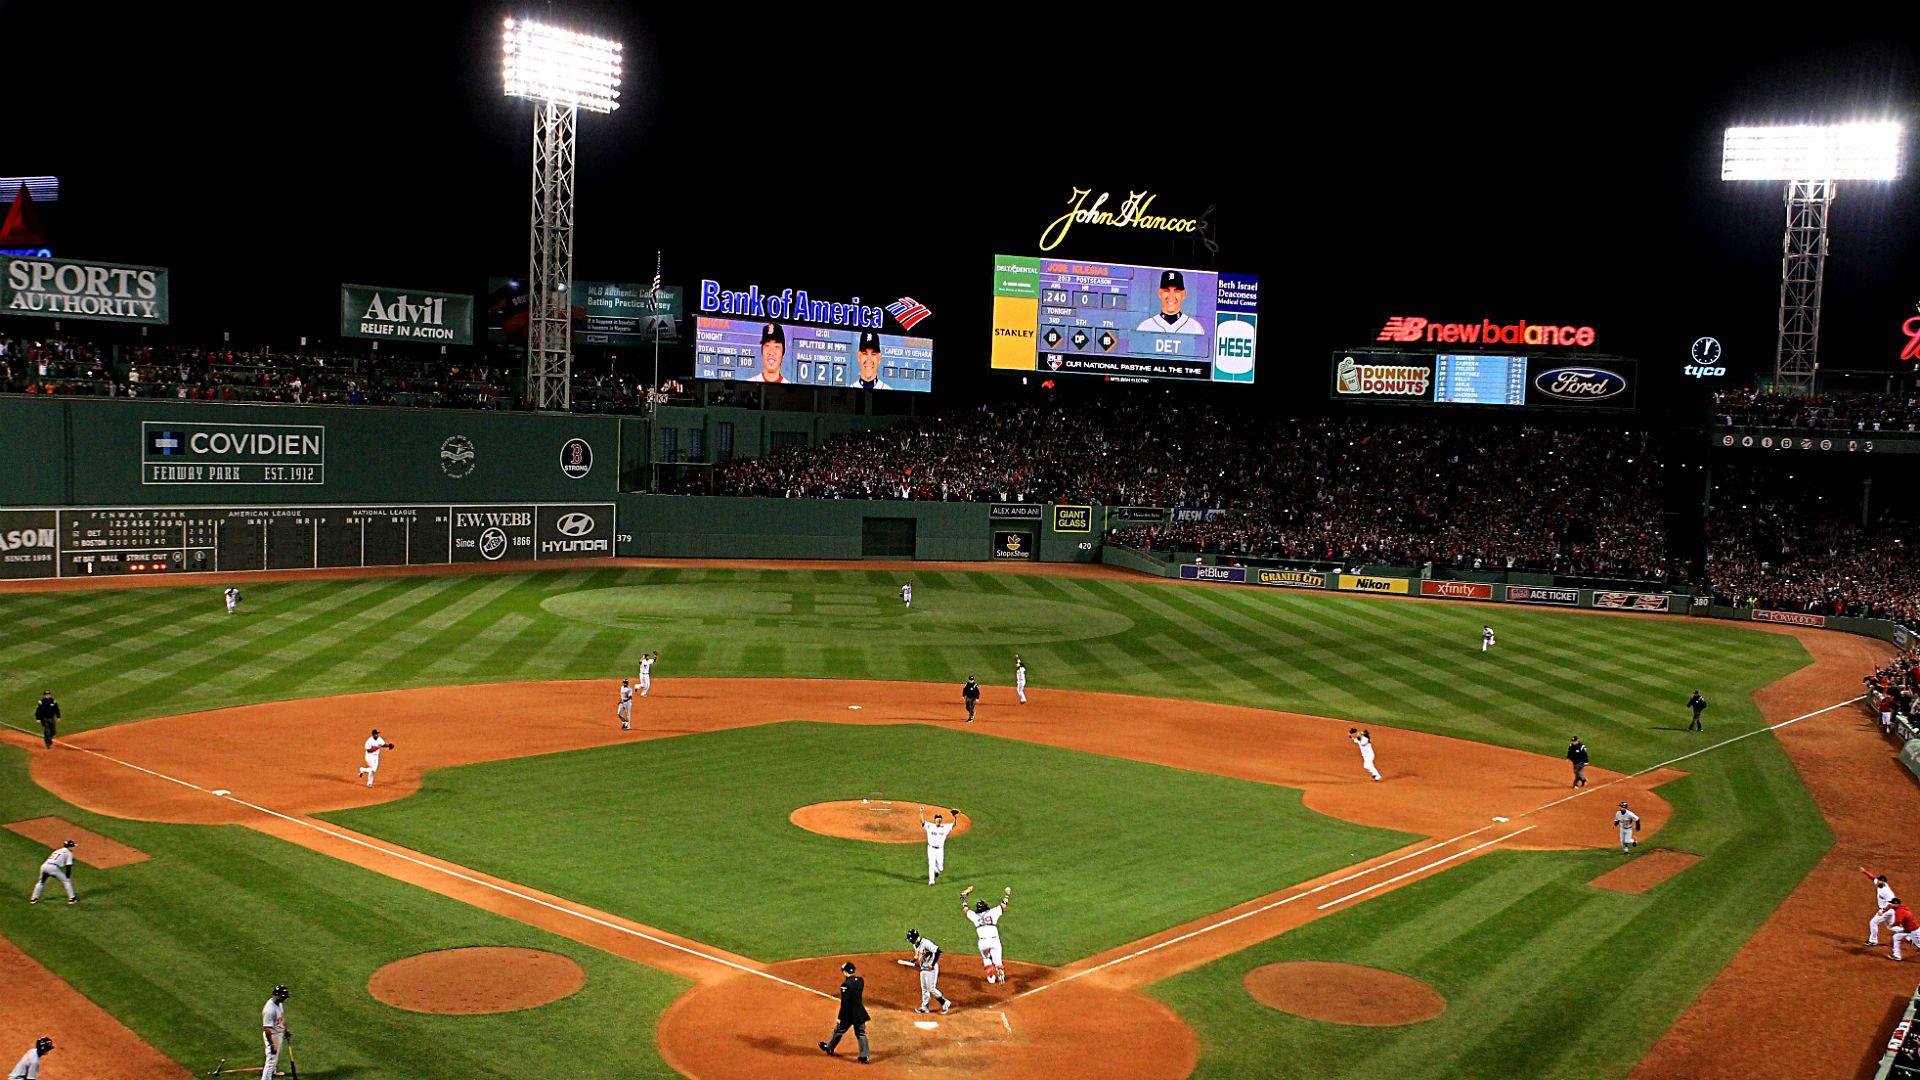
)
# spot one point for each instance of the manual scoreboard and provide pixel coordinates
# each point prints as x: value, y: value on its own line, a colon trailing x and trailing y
x: 1074, y: 317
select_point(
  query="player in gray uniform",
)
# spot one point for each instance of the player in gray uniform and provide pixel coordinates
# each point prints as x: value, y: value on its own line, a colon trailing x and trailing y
x: 28, y: 1067
x: 625, y: 709
x: 59, y: 866
x: 273, y: 1029
x: 926, y: 957
x: 1628, y: 823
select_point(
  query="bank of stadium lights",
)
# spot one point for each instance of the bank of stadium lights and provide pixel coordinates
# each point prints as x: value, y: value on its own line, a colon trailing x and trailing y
x: 1810, y: 158
x: 561, y: 72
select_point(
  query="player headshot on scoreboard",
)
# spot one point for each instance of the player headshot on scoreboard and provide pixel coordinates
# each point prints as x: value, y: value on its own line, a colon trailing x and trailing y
x: 1171, y: 320
x: 869, y: 356
x: 773, y: 353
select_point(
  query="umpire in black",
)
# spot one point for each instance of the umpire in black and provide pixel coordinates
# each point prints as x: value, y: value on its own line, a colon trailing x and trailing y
x: 47, y: 712
x: 853, y: 1013
x: 1699, y: 705
x: 1577, y: 754
x: 970, y: 694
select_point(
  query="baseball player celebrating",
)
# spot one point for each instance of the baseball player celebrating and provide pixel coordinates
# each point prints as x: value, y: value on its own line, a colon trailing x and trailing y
x: 273, y: 1029
x: 1364, y: 740
x: 986, y: 924
x: 233, y: 600
x: 926, y: 957
x: 1020, y: 677
x: 646, y: 671
x: 937, y: 831
x: 58, y: 866
x: 1486, y: 638
x: 28, y: 1067
x: 906, y: 595
x: 1883, y: 899
x: 625, y: 709
x: 1628, y: 823
x: 1905, y: 928
x: 373, y: 746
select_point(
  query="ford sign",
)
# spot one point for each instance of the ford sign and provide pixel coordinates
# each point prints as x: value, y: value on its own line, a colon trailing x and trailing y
x: 1580, y: 383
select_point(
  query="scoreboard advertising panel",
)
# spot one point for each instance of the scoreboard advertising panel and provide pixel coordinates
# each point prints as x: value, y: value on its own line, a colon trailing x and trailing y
x: 1074, y: 317
x: 1555, y: 382
x: 790, y: 336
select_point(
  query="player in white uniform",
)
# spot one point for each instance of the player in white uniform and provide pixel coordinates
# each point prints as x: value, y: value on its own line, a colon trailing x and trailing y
x: 1628, y: 823
x: 373, y: 746
x: 937, y: 831
x: 1883, y: 906
x: 59, y: 867
x: 1171, y: 320
x: 1486, y: 638
x: 906, y: 595
x: 28, y: 1067
x: 986, y: 924
x: 273, y: 1030
x: 646, y: 671
x: 233, y: 600
x: 926, y: 957
x: 1364, y: 740
x: 1020, y: 677
x: 625, y: 709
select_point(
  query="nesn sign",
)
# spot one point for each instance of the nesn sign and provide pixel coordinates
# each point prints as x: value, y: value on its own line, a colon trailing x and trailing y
x: 1234, y: 338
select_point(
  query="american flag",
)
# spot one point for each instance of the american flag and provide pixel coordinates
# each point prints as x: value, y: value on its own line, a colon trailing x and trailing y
x: 907, y: 311
x: 656, y: 274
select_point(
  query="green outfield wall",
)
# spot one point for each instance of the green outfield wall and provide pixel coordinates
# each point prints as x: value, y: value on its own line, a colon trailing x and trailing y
x: 720, y: 527
x: 133, y: 452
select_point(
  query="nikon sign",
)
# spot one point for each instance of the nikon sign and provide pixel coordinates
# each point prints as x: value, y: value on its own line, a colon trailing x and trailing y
x: 67, y: 289
x: 383, y: 314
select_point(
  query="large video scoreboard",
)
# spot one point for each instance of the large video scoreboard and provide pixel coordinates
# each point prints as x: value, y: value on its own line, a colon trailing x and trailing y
x: 1074, y: 317
x: 745, y: 350
x: 96, y: 541
x: 1484, y: 379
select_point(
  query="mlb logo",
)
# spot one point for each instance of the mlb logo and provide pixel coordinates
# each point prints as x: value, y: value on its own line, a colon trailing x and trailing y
x: 1234, y: 338
x: 1054, y: 362
x: 163, y: 443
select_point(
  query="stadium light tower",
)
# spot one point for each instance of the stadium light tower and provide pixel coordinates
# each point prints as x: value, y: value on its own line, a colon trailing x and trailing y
x: 561, y: 72
x: 1811, y: 159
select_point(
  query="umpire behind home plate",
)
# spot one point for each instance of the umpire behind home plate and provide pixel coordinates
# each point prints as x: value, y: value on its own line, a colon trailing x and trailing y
x: 853, y: 1013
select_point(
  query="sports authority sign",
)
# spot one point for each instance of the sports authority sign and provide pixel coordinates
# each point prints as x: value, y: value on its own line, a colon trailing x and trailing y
x: 192, y: 452
x: 383, y: 314
x: 1461, y: 590
x: 1406, y: 328
x: 70, y: 289
x: 1789, y: 618
x: 1533, y: 594
x: 1630, y: 601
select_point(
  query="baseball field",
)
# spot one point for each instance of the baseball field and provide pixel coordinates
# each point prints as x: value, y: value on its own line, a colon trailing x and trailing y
x: 1205, y: 882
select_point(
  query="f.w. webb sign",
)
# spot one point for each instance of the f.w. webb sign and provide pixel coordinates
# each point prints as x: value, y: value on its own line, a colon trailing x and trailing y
x: 382, y: 314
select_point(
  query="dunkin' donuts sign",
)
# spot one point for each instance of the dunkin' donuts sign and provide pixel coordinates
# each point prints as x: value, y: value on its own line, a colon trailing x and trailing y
x: 1356, y: 377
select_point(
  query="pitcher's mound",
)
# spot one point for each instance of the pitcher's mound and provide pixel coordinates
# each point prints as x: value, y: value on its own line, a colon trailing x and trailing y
x: 1344, y: 993
x: 478, y: 980
x: 883, y: 821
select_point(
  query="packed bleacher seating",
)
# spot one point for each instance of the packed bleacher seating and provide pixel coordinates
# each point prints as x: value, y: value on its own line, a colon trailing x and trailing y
x: 1854, y: 413
x: 1892, y: 689
x: 1488, y: 496
x: 1786, y: 544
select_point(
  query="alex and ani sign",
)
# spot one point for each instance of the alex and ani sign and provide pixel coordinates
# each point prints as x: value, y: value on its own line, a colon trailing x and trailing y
x: 1135, y: 212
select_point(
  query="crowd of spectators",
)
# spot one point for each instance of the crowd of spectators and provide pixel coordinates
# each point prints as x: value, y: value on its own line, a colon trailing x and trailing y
x: 1892, y: 689
x: 1783, y: 543
x: 1852, y: 413
x: 1581, y: 502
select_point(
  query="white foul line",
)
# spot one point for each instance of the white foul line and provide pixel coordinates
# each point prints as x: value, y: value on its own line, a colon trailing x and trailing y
x: 597, y: 921
x: 1423, y: 869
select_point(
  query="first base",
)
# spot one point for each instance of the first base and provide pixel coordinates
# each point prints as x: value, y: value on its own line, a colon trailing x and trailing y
x: 223, y: 792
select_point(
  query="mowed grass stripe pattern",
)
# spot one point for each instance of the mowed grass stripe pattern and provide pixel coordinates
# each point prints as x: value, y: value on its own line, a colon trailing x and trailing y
x: 117, y: 655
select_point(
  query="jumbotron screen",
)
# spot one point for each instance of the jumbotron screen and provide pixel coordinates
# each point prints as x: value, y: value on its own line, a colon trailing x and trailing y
x: 1554, y: 382
x: 751, y: 350
x: 1073, y: 317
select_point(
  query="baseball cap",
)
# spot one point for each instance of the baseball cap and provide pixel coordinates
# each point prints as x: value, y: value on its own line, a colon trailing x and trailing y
x: 772, y: 332
x: 869, y: 341
x: 1172, y: 279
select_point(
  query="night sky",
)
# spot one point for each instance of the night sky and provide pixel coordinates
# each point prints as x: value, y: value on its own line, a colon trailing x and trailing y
x: 1561, y: 173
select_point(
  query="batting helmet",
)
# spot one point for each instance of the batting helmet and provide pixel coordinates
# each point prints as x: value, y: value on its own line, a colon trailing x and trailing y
x: 282, y: 991
x: 42, y: 1044
x: 913, y: 937
x: 980, y: 906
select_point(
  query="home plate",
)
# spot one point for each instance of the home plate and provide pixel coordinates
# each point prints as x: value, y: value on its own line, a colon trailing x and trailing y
x: 926, y: 1025
x: 853, y: 706
x: 223, y: 792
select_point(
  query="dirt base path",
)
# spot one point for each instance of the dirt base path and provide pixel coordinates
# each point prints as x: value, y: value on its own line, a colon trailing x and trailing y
x: 1759, y: 1016
x: 89, y: 847
x: 87, y: 1040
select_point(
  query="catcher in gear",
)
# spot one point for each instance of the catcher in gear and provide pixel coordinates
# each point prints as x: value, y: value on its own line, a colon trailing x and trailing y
x: 926, y: 957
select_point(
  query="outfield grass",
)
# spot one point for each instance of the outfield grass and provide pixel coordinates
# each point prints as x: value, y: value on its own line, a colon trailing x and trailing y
x: 1101, y: 851
x: 184, y: 948
x: 1545, y: 976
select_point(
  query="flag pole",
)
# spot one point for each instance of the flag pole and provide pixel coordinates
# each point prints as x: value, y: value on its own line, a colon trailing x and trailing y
x: 653, y: 408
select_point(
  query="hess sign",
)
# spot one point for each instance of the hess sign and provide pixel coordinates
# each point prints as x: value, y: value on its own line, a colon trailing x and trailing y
x: 1485, y: 332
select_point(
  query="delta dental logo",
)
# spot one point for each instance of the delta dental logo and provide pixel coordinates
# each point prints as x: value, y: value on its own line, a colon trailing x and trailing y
x: 1388, y: 380
x: 1407, y: 328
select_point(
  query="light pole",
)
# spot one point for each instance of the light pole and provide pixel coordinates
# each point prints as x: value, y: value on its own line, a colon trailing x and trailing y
x: 1811, y: 159
x: 561, y: 72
